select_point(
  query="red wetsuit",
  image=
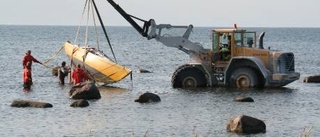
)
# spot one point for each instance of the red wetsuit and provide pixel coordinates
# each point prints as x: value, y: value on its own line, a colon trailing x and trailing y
x: 27, y: 80
x: 28, y: 58
x: 79, y: 76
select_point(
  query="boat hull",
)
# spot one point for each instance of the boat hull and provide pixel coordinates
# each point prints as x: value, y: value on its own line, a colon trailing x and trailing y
x: 98, y: 66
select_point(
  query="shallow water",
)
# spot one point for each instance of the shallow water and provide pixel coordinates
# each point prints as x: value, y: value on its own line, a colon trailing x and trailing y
x: 204, y: 112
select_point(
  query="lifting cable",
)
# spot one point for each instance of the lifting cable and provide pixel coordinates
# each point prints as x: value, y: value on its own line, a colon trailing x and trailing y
x: 87, y: 27
x: 77, y: 34
x: 104, y: 29
x: 97, y: 39
x: 84, y: 66
x: 76, y: 38
x: 86, y: 37
x: 95, y: 28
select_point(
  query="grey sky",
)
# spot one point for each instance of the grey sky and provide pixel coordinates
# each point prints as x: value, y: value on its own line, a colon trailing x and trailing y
x: 212, y: 13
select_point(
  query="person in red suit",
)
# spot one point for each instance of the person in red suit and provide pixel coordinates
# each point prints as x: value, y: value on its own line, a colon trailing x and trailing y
x: 79, y: 75
x: 27, y: 80
x: 29, y: 58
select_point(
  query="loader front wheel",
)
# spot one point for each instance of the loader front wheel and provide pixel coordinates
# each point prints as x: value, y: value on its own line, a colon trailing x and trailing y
x: 189, y: 78
x: 244, y: 78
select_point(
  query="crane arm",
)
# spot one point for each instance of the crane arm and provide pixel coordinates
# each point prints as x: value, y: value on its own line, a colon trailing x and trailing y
x: 150, y: 30
x: 142, y: 30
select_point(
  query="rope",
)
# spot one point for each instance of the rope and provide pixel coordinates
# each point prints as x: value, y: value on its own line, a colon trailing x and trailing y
x: 83, y: 64
x: 91, y: 6
x: 131, y: 79
x: 76, y: 38
x: 46, y: 66
x: 71, y: 61
x: 78, y: 30
x: 87, y: 26
x: 53, y: 57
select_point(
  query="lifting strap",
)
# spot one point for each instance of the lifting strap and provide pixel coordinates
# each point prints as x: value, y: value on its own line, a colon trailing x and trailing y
x: 53, y: 57
x: 104, y: 29
x: 91, y: 3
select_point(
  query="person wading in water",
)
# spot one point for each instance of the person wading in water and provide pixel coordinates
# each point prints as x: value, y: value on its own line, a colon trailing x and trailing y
x: 79, y: 75
x: 27, y: 80
x: 29, y: 58
x: 63, y: 72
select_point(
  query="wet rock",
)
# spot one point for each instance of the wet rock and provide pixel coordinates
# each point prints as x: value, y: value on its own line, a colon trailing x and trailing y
x: 55, y: 70
x: 312, y: 79
x: 85, y: 91
x: 80, y: 103
x: 246, y: 125
x: 148, y: 98
x: 243, y: 99
x: 28, y: 103
x: 144, y: 71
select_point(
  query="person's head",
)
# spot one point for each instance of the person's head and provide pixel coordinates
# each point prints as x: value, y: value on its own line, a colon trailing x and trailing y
x: 63, y: 64
x: 78, y: 66
x: 28, y: 52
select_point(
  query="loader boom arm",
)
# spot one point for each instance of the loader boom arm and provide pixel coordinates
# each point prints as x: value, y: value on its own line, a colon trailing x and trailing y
x: 142, y: 30
x: 150, y: 30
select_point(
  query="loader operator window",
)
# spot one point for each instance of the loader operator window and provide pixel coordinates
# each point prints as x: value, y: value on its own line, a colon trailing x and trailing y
x: 225, y: 40
x: 225, y: 46
x: 250, y: 39
x: 215, y: 42
x: 215, y: 46
x: 238, y: 39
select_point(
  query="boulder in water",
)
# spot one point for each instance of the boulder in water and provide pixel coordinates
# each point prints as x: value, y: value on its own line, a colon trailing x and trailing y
x: 28, y: 103
x: 243, y: 99
x: 144, y: 71
x: 148, y: 97
x: 87, y: 90
x: 246, y: 125
x: 55, y: 71
x: 80, y: 103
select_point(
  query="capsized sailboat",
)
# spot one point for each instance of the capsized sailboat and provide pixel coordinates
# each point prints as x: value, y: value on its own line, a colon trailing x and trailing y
x: 98, y: 65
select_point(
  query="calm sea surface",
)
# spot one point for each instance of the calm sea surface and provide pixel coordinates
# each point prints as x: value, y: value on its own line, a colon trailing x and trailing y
x: 182, y: 113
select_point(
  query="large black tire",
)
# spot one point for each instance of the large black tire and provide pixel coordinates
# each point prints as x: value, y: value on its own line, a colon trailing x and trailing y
x: 244, y: 78
x: 188, y: 77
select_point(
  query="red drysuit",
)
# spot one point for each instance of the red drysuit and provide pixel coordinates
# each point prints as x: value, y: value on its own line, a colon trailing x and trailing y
x: 79, y: 76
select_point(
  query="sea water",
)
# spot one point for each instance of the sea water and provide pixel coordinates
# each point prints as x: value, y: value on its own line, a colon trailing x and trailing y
x: 202, y: 112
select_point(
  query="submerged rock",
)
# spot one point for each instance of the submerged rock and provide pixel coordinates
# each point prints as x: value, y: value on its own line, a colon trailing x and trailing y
x: 148, y: 98
x: 28, y: 103
x: 243, y: 99
x: 85, y: 91
x: 80, y: 103
x: 144, y: 71
x: 246, y: 125
x: 55, y: 71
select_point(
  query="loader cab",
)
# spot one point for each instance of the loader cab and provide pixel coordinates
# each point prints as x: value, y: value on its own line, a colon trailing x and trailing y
x: 227, y: 43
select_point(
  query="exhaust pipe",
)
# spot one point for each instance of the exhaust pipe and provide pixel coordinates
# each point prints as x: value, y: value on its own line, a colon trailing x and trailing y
x: 261, y: 40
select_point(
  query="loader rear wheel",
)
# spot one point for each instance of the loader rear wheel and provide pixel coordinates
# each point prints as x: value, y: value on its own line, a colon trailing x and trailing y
x: 244, y: 78
x: 188, y: 78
